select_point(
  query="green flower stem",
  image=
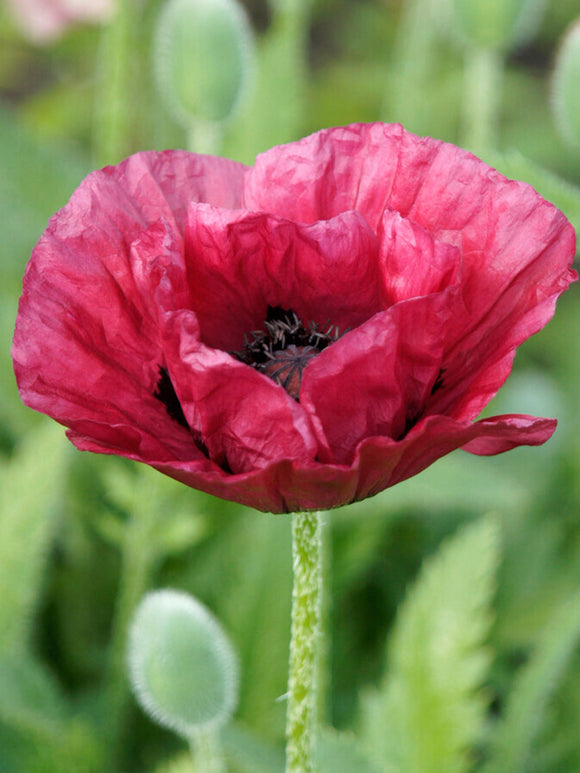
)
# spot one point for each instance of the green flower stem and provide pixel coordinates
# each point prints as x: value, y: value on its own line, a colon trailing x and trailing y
x: 139, y: 558
x: 303, y: 679
x: 207, y: 752
x: 204, y: 137
x: 482, y: 98
x: 114, y: 93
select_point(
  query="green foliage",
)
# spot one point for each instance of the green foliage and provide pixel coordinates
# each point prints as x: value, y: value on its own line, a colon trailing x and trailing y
x: 30, y: 488
x: 335, y: 751
x: 430, y: 711
x: 44, y: 735
x: 246, y: 753
x: 534, y: 685
x: 279, y: 91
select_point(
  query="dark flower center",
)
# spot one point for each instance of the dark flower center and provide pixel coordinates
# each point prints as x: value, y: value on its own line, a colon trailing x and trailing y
x: 284, y: 347
x: 165, y: 392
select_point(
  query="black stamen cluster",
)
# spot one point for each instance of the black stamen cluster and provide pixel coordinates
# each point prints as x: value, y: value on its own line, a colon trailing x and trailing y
x: 283, y: 328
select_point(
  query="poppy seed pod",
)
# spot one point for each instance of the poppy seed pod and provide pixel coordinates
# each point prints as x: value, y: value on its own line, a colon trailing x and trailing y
x: 203, y: 56
x: 182, y: 666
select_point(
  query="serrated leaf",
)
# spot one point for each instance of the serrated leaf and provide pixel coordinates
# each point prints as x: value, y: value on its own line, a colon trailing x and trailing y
x: 430, y: 710
x: 29, y: 487
x: 534, y: 685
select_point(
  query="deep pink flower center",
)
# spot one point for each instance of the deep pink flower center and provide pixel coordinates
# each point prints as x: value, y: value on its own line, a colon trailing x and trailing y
x: 285, y: 346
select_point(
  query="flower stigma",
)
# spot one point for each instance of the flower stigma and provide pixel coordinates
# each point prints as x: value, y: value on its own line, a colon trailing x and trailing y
x: 285, y: 346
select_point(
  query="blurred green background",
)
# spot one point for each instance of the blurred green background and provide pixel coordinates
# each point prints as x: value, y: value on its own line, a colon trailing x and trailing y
x: 82, y: 537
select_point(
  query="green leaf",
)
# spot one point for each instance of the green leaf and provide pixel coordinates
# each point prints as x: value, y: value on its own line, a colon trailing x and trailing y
x: 534, y: 685
x: 34, y: 715
x: 29, y: 488
x: 430, y: 710
x: 29, y: 699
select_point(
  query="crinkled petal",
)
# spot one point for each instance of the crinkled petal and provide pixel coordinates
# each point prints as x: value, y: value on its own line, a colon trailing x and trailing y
x: 412, y: 262
x: 332, y: 171
x: 375, y: 380
x: 516, y: 247
x: 239, y: 263
x: 246, y: 420
x: 502, y: 433
x: 82, y: 312
x: 380, y: 462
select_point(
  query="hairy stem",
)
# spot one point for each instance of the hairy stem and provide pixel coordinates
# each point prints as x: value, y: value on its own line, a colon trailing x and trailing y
x: 303, y: 679
x: 207, y: 752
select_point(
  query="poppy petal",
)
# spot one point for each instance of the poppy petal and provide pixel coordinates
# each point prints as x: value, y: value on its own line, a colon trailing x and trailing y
x: 412, y: 262
x: 239, y: 263
x: 375, y: 380
x: 246, y: 420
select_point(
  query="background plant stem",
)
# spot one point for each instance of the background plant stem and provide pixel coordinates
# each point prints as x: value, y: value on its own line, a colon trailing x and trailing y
x: 303, y: 679
x: 482, y: 98
x: 411, y: 68
x: 138, y: 560
x: 114, y: 92
x: 207, y: 752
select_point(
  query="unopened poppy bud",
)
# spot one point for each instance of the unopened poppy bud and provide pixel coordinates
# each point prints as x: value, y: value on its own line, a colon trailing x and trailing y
x: 202, y: 57
x: 496, y: 24
x: 565, y: 91
x: 182, y: 666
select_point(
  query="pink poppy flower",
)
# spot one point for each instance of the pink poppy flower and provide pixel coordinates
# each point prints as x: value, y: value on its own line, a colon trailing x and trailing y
x: 299, y: 334
x: 43, y: 21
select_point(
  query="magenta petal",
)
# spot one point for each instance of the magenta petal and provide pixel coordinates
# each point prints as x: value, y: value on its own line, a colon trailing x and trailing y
x: 384, y: 463
x: 379, y: 463
x: 375, y: 380
x: 239, y: 263
x: 412, y: 262
x: 332, y: 171
x: 502, y: 433
x: 439, y: 266
x: 245, y: 420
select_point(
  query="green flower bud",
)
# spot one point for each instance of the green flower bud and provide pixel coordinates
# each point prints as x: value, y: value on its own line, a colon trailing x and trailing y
x: 182, y: 666
x: 496, y: 24
x: 203, y: 56
x: 566, y: 88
